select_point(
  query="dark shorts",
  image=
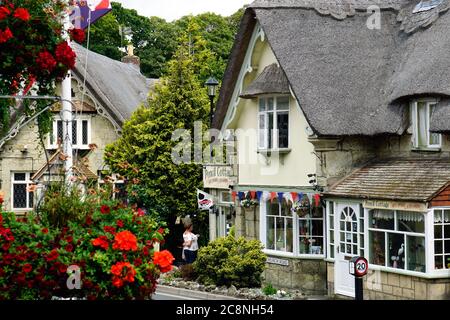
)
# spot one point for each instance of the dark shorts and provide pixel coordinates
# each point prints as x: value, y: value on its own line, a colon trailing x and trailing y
x: 190, y: 256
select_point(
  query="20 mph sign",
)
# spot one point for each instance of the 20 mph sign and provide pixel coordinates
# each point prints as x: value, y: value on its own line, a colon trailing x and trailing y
x: 359, y: 266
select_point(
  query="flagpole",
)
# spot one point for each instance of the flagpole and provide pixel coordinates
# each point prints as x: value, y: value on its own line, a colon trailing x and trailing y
x: 67, y: 117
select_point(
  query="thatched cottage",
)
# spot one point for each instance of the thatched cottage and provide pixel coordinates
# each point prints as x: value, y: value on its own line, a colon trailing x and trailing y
x: 349, y: 103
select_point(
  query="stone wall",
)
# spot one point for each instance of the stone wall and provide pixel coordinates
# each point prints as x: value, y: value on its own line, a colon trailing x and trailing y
x: 380, y: 285
x: 309, y: 276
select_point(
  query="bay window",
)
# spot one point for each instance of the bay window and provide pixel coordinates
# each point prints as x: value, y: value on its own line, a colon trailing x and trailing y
x: 289, y: 232
x: 397, y: 239
x: 442, y: 239
x: 421, y: 112
x: 273, y: 118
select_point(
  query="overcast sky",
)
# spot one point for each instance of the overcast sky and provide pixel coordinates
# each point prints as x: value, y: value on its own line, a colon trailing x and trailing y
x: 174, y: 9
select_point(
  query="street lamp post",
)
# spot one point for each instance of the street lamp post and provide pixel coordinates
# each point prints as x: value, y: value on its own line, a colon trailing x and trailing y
x: 211, y: 84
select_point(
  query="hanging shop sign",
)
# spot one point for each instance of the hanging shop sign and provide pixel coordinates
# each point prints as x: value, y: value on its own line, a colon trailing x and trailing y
x: 205, y: 200
x: 218, y: 177
x: 395, y: 205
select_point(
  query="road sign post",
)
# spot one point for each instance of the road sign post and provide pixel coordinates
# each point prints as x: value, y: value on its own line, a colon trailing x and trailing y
x: 358, y: 268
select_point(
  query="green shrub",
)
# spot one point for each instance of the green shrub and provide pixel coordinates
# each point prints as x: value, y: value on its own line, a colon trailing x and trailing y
x: 229, y: 261
x: 269, y: 290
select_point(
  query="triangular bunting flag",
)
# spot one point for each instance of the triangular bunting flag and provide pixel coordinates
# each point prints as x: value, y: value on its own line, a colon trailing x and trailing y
x: 253, y: 194
x: 317, y: 200
x: 273, y: 195
x: 259, y: 195
x: 233, y: 195
x: 280, y: 197
x: 241, y: 195
x: 294, y: 196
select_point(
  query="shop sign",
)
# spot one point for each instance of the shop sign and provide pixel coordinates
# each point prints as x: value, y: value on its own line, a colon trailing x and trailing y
x: 395, y: 205
x: 281, y: 262
x: 218, y: 177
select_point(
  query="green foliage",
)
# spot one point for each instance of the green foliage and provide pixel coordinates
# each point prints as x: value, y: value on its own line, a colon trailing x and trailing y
x: 269, y: 290
x: 156, y: 42
x: 144, y: 152
x: 229, y: 261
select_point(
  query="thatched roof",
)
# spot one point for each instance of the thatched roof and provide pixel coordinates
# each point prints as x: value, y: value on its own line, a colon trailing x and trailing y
x: 271, y: 81
x: 395, y: 179
x: 118, y: 86
x: 347, y: 78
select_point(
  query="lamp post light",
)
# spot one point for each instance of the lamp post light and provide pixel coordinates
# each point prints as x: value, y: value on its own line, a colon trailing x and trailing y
x: 212, y: 85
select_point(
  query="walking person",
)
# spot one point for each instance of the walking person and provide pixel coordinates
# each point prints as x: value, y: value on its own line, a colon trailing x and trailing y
x: 190, y: 245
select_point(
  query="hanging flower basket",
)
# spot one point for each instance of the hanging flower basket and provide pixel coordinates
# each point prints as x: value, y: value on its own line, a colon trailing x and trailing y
x: 249, y: 204
x: 302, y: 207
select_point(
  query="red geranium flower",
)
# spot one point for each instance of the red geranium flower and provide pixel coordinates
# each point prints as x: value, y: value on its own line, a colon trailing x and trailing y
x: 4, y: 12
x: 62, y: 268
x: 5, y: 35
x: 46, y: 61
x: 120, y: 223
x: 101, y: 242
x: 109, y: 229
x: 68, y: 248
x: 65, y: 55
x: 22, y: 14
x: 77, y: 35
x: 122, y: 272
x: 105, y: 209
x: 117, y: 282
x: 45, y: 230
x: 27, y: 268
x: 164, y: 260
x: 161, y: 230
x: 125, y: 240
x: 53, y: 255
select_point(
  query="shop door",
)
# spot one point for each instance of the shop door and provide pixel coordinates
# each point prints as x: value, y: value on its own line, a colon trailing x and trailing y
x: 346, y: 234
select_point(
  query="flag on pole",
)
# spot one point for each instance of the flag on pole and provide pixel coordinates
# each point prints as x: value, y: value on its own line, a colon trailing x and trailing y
x: 82, y: 10
x: 205, y: 200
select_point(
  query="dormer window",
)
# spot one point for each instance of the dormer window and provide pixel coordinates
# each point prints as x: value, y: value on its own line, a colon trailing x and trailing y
x: 81, y: 133
x: 421, y: 112
x: 273, y: 119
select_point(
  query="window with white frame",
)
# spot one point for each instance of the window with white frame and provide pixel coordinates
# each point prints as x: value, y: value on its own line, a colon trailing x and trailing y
x: 298, y: 233
x: 421, y: 112
x: 441, y: 239
x: 397, y: 239
x: 330, y: 221
x: 119, y: 190
x: 273, y: 119
x: 81, y: 133
x: 21, y: 197
x: 279, y: 227
x: 310, y: 226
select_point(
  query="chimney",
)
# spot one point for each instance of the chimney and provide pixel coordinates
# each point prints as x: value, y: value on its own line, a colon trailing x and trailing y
x: 130, y: 58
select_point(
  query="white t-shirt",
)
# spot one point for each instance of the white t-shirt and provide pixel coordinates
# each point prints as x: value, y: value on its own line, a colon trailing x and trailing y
x: 193, y: 238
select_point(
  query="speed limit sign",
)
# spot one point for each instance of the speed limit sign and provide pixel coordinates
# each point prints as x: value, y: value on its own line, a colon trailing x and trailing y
x: 359, y: 266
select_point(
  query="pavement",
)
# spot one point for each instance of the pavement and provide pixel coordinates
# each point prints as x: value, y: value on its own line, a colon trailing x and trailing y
x: 173, y: 293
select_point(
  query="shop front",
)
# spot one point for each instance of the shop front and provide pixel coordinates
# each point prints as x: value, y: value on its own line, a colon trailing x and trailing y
x: 402, y: 230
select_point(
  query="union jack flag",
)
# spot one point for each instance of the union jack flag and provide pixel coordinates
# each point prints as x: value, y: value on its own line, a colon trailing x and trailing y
x: 82, y: 10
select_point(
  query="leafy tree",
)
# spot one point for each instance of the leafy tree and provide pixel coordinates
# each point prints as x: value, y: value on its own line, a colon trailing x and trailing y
x: 105, y: 38
x: 143, y: 153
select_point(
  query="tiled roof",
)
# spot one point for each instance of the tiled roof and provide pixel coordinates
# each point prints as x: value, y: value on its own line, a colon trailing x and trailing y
x: 395, y: 179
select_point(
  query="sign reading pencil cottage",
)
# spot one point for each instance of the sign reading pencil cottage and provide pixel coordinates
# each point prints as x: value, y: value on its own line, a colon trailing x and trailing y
x: 350, y: 152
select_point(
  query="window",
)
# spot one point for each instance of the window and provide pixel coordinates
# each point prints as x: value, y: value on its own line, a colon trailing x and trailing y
x: 397, y: 239
x: 119, y: 190
x: 442, y: 239
x: 273, y: 122
x: 80, y: 133
x: 279, y: 227
x: 21, y: 197
x: 310, y: 233
x: 330, y: 220
x: 297, y: 233
x: 421, y: 112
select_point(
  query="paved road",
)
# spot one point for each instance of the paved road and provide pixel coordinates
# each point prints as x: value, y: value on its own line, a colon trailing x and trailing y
x: 166, y: 296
